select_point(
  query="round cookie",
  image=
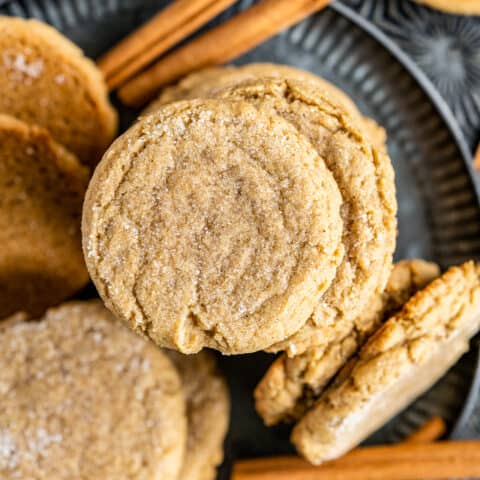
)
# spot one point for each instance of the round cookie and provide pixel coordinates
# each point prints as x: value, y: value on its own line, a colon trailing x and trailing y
x: 208, y: 410
x: 462, y: 7
x: 84, y: 397
x: 402, y: 359
x: 205, y: 82
x: 212, y: 224
x: 41, y: 194
x: 365, y: 179
x: 47, y: 81
x: 291, y: 384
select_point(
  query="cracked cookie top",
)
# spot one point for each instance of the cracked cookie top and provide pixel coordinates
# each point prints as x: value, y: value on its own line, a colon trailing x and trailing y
x: 84, y: 397
x: 212, y: 224
x: 365, y: 178
x: 206, y: 82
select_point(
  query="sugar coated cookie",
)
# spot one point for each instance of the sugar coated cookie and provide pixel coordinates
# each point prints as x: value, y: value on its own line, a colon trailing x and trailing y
x: 84, y: 397
x: 212, y: 224
x: 205, y: 82
x: 41, y: 193
x: 364, y: 176
x: 46, y: 80
x: 208, y: 410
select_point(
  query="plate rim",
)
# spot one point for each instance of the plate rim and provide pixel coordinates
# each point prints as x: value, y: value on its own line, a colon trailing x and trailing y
x: 471, y: 402
x: 424, y: 82
x: 451, y: 123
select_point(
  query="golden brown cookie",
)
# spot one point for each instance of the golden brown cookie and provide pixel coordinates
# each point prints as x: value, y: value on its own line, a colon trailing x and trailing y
x: 84, y: 397
x: 212, y: 224
x: 462, y: 7
x: 405, y: 357
x: 41, y: 193
x: 364, y: 176
x: 46, y: 80
x: 208, y: 411
x: 291, y: 385
x: 205, y: 82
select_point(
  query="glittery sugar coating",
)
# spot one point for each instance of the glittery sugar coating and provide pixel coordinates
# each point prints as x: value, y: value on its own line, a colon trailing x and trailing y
x: 46, y: 80
x: 84, y: 397
x: 212, y: 224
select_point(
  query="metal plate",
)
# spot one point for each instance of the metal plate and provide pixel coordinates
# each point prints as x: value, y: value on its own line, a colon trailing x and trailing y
x: 445, y: 46
x: 439, y: 216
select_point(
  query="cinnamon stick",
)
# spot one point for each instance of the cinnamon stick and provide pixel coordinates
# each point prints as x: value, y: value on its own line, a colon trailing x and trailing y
x: 170, y: 26
x: 430, y: 431
x: 476, y: 159
x: 406, y: 461
x: 219, y: 45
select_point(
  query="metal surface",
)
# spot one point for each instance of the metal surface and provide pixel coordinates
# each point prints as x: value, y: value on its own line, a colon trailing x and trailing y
x: 446, y: 47
x: 439, y: 216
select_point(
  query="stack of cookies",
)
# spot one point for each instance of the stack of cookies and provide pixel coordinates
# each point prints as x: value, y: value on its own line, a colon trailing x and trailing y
x: 266, y: 218
x: 55, y: 124
x: 253, y: 208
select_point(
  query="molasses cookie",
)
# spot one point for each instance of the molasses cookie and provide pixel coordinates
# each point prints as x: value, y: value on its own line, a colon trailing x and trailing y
x: 208, y: 410
x: 212, y: 224
x: 84, y: 397
x: 404, y: 358
x: 47, y: 81
x: 365, y: 178
x: 41, y: 194
x: 204, y: 83
x: 291, y: 385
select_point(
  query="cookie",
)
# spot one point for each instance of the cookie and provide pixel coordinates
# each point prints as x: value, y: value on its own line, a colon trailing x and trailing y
x: 462, y: 7
x: 212, y: 224
x: 41, y: 194
x: 84, y: 397
x: 204, y: 82
x: 365, y: 179
x: 47, y: 81
x: 208, y: 410
x: 291, y: 385
x: 404, y: 358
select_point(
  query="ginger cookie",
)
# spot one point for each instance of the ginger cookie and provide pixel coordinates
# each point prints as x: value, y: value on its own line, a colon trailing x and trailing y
x: 84, y: 397
x: 47, y: 81
x: 41, y: 194
x: 365, y: 179
x: 462, y: 7
x: 205, y: 82
x: 291, y: 385
x: 212, y: 224
x: 404, y: 358
x: 208, y: 411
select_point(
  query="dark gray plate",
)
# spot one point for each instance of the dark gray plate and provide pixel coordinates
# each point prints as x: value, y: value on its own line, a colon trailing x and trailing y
x: 439, y: 216
x: 445, y: 46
